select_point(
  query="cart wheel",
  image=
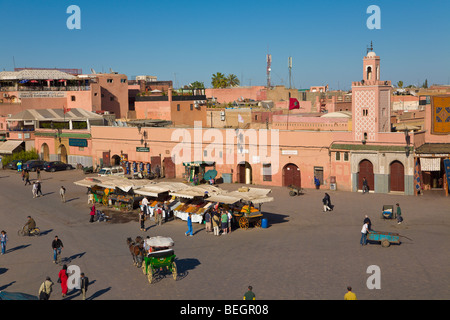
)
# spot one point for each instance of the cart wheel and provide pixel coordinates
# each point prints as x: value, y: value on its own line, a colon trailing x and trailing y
x: 37, y: 231
x: 150, y: 275
x: 385, y: 243
x: 292, y: 193
x: 174, y: 271
x: 258, y: 224
x: 105, y: 201
x: 243, y: 223
x: 143, y: 268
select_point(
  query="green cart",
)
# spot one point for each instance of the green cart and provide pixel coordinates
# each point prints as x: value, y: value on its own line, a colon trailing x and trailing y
x: 161, y: 258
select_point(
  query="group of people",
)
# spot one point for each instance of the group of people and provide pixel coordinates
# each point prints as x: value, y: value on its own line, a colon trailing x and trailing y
x: 367, y: 225
x: 46, y: 287
x: 218, y: 220
x: 161, y: 213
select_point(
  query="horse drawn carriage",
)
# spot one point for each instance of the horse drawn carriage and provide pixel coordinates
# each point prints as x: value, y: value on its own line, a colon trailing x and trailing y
x: 154, y: 255
x: 160, y: 257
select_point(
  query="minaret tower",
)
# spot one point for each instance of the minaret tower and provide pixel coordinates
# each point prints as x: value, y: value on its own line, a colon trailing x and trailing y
x: 371, y: 101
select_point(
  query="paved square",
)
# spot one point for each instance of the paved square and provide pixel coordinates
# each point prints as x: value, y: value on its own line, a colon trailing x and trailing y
x: 303, y: 254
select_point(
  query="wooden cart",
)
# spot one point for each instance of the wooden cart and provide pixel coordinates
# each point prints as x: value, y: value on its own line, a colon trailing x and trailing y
x: 246, y: 220
x: 295, y: 191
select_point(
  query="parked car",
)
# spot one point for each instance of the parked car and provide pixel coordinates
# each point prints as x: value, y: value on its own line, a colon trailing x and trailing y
x: 13, y: 164
x: 53, y: 166
x: 111, y: 171
x: 32, y: 165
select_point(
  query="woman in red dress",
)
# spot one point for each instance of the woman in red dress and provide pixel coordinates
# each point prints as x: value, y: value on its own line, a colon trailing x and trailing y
x: 62, y: 275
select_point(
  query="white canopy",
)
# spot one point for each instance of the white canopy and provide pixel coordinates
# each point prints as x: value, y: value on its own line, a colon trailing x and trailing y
x: 255, y: 195
x: 160, y: 241
x: 196, y: 191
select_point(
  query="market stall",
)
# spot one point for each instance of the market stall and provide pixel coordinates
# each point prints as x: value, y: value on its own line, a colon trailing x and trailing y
x: 193, y: 200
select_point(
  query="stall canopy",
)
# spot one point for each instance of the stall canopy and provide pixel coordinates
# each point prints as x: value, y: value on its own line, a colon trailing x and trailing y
x: 197, y: 191
x: 112, y: 182
x: 178, y: 189
x: 154, y: 189
x: 9, y: 146
x: 254, y: 195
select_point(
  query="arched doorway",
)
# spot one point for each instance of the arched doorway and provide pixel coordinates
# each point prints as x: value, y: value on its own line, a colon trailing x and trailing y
x: 62, y: 153
x: 115, y: 160
x: 291, y: 175
x: 366, y: 171
x: 397, y: 176
x: 244, y: 173
x: 45, y: 152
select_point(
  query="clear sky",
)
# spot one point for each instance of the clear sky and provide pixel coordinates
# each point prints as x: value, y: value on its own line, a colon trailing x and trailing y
x: 188, y: 41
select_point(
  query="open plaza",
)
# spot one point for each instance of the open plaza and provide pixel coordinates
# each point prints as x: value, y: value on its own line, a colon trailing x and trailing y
x: 303, y: 253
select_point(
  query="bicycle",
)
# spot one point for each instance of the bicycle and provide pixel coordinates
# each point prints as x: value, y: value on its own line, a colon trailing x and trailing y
x: 24, y: 232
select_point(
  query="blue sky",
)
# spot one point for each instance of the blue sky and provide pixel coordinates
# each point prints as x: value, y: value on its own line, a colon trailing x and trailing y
x: 188, y: 41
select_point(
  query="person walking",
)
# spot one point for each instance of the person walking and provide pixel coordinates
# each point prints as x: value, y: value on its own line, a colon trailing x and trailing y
x: 62, y: 278
x: 142, y: 220
x: 3, y: 241
x: 84, y: 283
x: 365, y: 186
x: 34, y: 189
x: 38, y: 174
x: 249, y: 295
x: 399, y: 214
x: 224, y: 221
x: 369, y: 223
x: 92, y: 213
x: 27, y: 177
x: 350, y: 295
x: 207, y: 218
x: 45, y: 289
x: 327, y: 206
x: 57, y: 247
x: 38, y: 189
x: 62, y: 193
x: 364, y: 231
x: 189, y: 224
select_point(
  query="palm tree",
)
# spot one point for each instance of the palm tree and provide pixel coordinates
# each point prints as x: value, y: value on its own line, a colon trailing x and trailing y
x: 232, y: 80
x: 218, y: 80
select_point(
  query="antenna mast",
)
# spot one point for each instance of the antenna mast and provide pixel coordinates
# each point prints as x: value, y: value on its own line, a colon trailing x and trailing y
x: 269, y: 63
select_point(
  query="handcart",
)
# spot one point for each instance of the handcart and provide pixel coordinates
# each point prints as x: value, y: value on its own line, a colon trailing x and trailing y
x: 385, y: 238
x: 388, y: 212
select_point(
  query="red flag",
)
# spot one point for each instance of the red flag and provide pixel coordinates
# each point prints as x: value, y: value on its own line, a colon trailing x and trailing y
x: 293, y: 104
x: 66, y: 110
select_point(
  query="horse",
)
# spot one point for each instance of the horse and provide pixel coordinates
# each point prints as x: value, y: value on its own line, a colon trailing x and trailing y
x: 137, y: 250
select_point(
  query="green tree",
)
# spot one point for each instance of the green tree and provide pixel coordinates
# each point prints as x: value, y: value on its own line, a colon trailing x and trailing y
x: 196, y: 85
x: 232, y: 80
x: 400, y: 84
x: 425, y: 84
x: 219, y: 80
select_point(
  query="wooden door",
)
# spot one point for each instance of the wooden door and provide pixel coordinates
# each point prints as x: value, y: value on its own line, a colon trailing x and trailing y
x: 106, y: 159
x: 366, y: 171
x: 169, y: 168
x: 291, y: 175
x: 397, y: 176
